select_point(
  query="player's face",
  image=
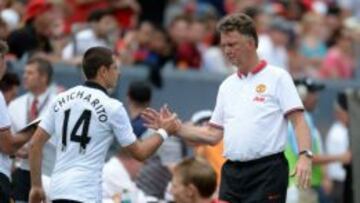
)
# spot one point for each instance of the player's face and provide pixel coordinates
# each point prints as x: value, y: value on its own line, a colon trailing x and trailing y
x: 237, y: 47
x: 113, y: 73
x: 179, y: 190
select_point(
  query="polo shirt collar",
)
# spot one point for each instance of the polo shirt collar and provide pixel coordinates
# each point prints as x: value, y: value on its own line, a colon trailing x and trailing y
x: 95, y: 85
x: 260, y: 66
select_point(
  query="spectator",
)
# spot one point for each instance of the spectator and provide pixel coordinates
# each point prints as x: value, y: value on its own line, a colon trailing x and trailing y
x: 102, y: 24
x: 118, y: 175
x: 272, y: 47
x: 35, y: 35
x: 337, y: 143
x: 339, y: 62
x: 194, y: 181
x: 126, y: 12
x: 312, y: 45
x: 139, y: 98
x: 9, y: 86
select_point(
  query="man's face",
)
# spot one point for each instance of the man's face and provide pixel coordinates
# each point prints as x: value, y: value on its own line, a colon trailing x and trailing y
x: 32, y: 77
x: 2, y: 66
x: 112, y: 74
x: 179, y: 190
x: 106, y: 25
x: 237, y: 47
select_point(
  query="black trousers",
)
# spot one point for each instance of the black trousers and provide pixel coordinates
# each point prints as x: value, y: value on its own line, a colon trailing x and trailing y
x: 64, y: 201
x: 5, y: 189
x: 21, y: 184
x: 264, y: 180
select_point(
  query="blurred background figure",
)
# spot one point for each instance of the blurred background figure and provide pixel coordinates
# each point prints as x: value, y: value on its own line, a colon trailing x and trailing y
x: 213, y: 154
x: 194, y: 180
x: 138, y: 99
x: 338, y: 143
x: 9, y: 86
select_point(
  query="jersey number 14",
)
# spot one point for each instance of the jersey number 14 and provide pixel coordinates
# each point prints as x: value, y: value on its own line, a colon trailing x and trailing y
x: 83, y: 139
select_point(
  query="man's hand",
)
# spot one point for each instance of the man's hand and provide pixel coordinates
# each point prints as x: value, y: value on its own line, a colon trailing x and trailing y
x: 37, y: 195
x: 302, y: 172
x: 164, y: 119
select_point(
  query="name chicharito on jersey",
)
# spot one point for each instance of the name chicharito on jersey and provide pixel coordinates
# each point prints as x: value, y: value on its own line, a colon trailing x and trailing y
x: 95, y: 103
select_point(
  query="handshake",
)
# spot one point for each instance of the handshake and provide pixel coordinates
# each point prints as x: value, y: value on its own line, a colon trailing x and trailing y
x: 164, y: 119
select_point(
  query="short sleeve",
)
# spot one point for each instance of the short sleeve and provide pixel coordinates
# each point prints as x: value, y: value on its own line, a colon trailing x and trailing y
x: 48, y: 120
x: 287, y: 95
x: 217, y: 118
x: 4, y: 114
x: 121, y: 126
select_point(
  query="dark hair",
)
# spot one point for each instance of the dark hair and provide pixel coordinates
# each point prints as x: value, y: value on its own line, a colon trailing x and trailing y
x: 43, y: 66
x: 3, y: 47
x: 8, y: 81
x: 198, y: 172
x: 94, y: 58
x: 239, y: 22
x: 140, y: 92
x: 342, y: 101
x: 97, y: 15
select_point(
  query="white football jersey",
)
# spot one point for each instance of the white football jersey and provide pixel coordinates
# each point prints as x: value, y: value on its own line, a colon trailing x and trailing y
x: 5, y: 161
x: 85, y: 120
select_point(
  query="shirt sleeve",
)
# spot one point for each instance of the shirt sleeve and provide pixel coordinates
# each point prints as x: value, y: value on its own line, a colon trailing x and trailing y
x: 287, y: 95
x: 4, y: 114
x: 121, y: 126
x: 48, y: 120
x: 217, y: 118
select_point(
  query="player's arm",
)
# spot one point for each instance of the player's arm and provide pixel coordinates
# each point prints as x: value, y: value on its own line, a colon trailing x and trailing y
x: 201, y: 134
x: 142, y: 149
x: 11, y: 143
x: 36, y: 147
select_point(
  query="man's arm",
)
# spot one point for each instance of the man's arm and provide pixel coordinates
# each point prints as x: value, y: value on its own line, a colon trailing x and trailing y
x: 201, y: 134
x: 142, y: 149
x: 36, y: 147
x: 11, y: 143
x: 303, y: 165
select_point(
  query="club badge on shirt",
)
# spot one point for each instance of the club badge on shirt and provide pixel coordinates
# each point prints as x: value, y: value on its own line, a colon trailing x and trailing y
x: 260, y: 89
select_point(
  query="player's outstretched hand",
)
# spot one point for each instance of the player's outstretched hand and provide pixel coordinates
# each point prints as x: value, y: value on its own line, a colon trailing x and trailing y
x: 37, y: 195
x: 164, y: 119
x: 151, y: 118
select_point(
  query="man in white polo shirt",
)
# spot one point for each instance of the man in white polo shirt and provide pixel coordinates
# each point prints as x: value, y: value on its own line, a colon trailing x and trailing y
x: 9, y: 143
x: 251, y: 113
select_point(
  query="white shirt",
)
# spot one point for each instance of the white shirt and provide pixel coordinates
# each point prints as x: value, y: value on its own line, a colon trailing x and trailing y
x: 19, y: 113
x: 116, y: 179
x: 5, y: 161
x: 83, y: 41
x: 251, y: 110
x: 337, y: 143
x: 274, y: 55
x: 85, y: 121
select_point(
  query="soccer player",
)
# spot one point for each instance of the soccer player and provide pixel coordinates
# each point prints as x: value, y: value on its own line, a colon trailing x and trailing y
x: 85, y: 120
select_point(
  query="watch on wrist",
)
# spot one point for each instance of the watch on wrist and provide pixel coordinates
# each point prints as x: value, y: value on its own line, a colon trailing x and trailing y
x: 307, y: 153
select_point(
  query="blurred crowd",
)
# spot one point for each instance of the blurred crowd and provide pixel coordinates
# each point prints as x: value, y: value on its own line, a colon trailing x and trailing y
x: 307, y: 37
